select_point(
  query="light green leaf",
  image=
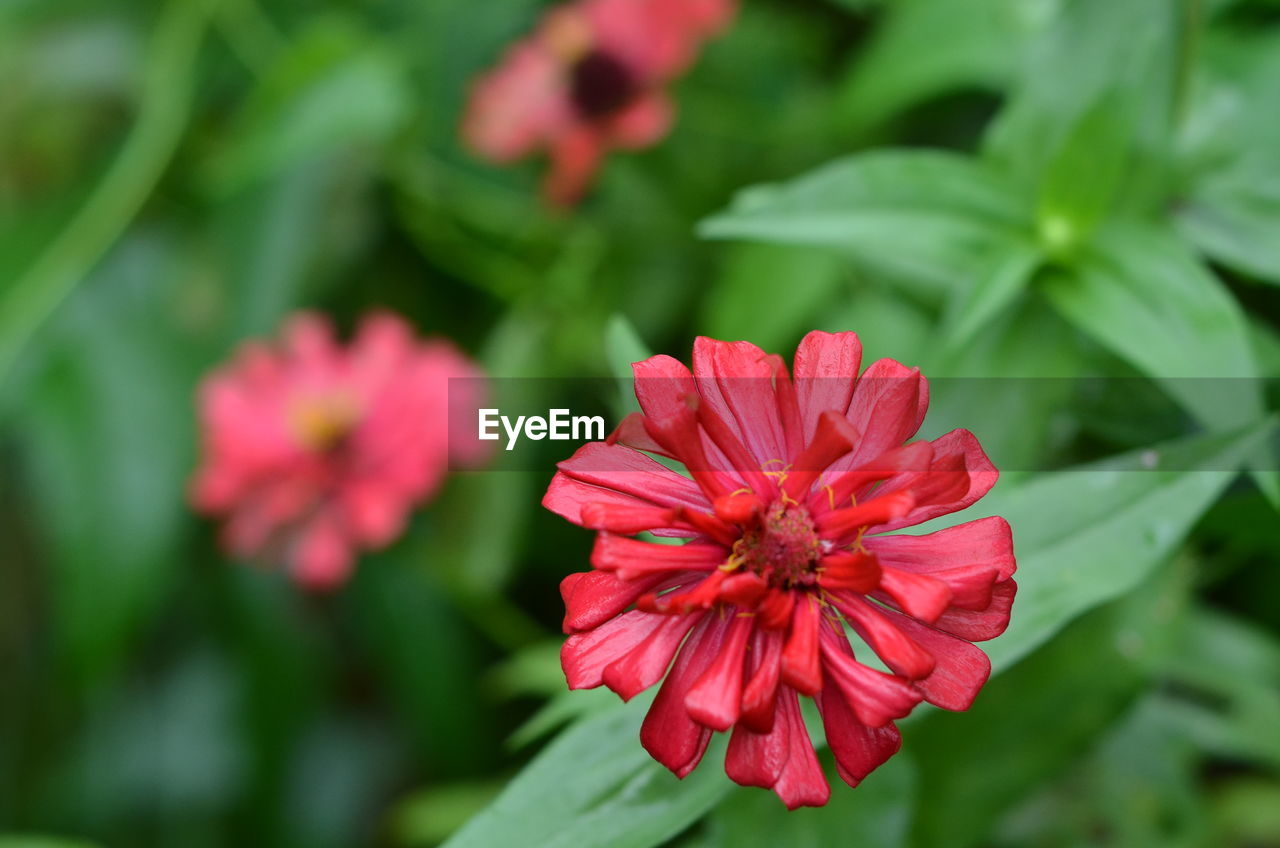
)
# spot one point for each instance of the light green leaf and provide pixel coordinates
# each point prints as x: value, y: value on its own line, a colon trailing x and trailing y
x: 622, y: 348
x: 1140, y: 293
x: 971, y: 45
x: 1095, y: 48
x: 1082, y: 178
x: 333, y: 89
x: 596, y: 787
x: 34, y: 841
x: 875, y: 815
x: 795, y: 283
x: 993, y: 289
x: 1088, y: 535
x: 925, y: 217
x: 167, y: 90
x: 426, y: 817
x: 1233, y: 217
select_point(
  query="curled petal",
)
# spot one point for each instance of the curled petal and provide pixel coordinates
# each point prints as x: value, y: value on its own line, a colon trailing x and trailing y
x: 826, y: 367
x: 961, y: 670
x: 919, y: 595
x: 715, y: 700
x: 898, y: 650
x: 875, y: 697
x: 584, y: 656
x: 644, y: 665
x: 632, y: 558
x: 759, y: 696
x: 627, y: 519
x: 668, y: 733
x: 858, y: 749
x: 842, y: 524
x: 801, y: 663
x: 662, y: 384
x: 593, y: 597
x: 835, y: 437
x: 855, y: 571
x: 782, y: 759
x: 961, y: 474
x: 981, y: 625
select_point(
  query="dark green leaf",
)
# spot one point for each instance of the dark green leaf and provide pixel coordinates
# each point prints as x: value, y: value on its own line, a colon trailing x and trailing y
x: 1033, y: 720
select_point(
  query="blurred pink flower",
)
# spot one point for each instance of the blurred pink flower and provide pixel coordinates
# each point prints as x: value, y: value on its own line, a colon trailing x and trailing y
x: 588, y: 79
x: 313, y: 451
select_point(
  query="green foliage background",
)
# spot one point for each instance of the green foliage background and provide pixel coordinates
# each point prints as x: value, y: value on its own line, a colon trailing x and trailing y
x: 1017, y: 189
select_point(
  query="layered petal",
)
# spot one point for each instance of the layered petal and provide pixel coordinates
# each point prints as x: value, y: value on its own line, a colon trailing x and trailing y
x: 858, y: 749
x: 782, y: 759
x: 668, y: 733
x: 826, y: 370
x: 960, y: 474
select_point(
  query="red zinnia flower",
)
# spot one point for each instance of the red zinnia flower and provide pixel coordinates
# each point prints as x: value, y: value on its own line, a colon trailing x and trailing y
x: 588, y: 79
x: 312, y: 451
x: 792, y: 484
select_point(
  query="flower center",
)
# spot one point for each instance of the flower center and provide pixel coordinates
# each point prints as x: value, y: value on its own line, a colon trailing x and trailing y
x: 783, y: 548
x: 599, y: 84
x: 320, y: 423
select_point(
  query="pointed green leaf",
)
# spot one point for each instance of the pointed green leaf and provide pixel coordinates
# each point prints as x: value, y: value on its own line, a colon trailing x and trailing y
x: 925, y: 217
x: 1140, y: 293
x: 596, y: 787
x: 1088, y: 535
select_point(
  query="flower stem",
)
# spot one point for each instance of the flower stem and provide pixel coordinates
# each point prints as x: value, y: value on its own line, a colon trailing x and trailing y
x: 1190, y: 24
x: 167, y: 91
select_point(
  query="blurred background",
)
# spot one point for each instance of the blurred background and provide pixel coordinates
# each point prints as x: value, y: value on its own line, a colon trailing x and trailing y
x: 1027, y: 191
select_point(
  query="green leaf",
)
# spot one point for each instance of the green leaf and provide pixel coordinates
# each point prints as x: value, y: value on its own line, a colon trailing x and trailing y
x: 1227, y: 695
x: 875, y: 815
x: 428, y: 816
x: 1082, y: 178
x: 1094, y: 49
x: 1232, y: 217
x: 622, y: 348
x: 1033, y: 720
x: 971, y: 45
x: 1024, y: 359
x: 106, y: 423
x: 994, y: 289
x: 794, y: 283
x: 596, y: 787
x: 1140, y: 293
x: 925, y: 217
x: 167, y: 90
x: 293, y: 116
x: 34, y: 841
x: 1090, y: 534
